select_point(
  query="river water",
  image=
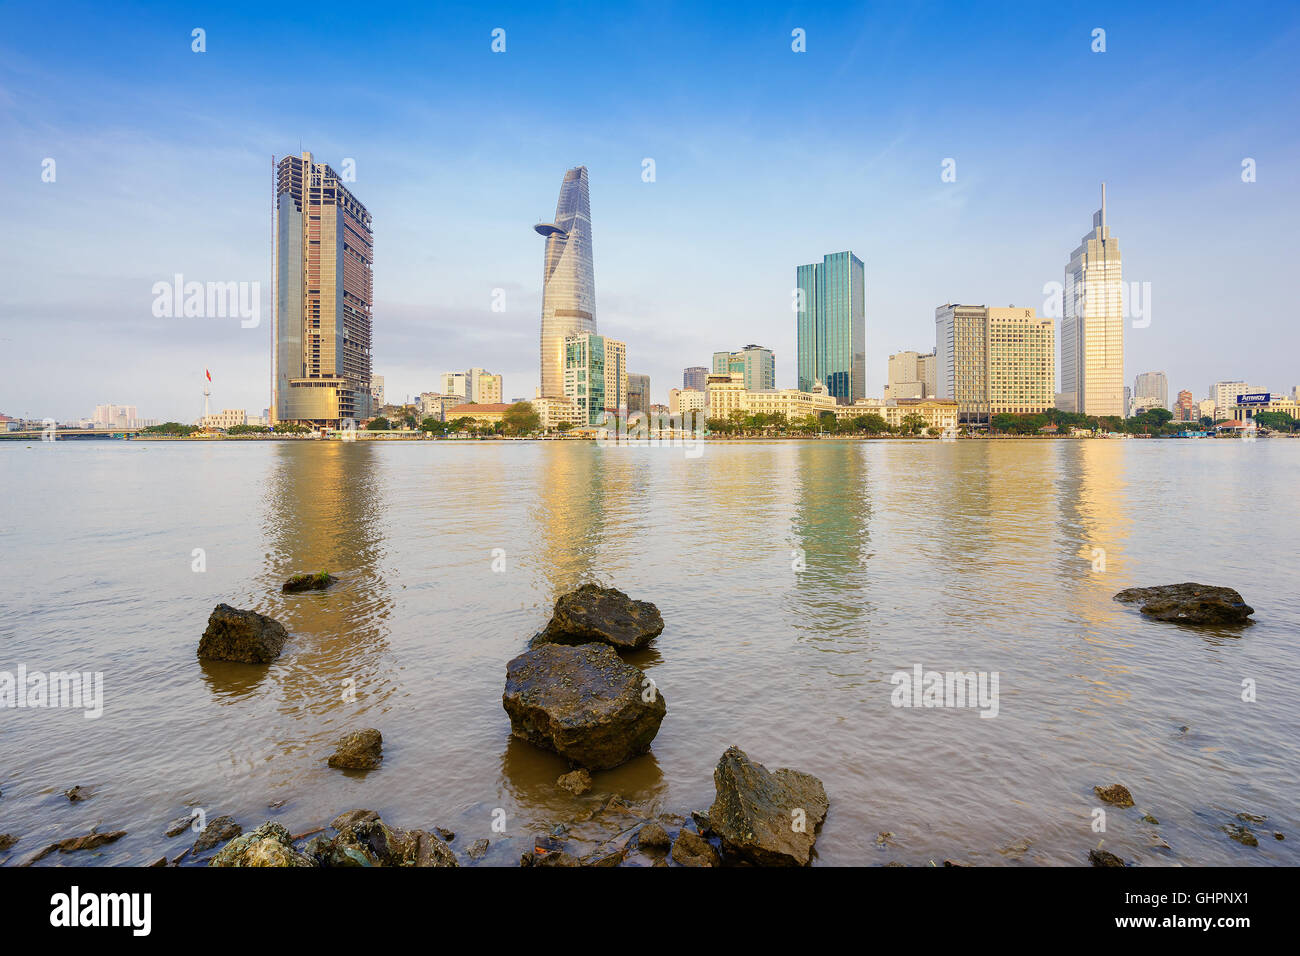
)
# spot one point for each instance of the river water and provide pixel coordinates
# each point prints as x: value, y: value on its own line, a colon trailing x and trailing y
x: 794, y: 579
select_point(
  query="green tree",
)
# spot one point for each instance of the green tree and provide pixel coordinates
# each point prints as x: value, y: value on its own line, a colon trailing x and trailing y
x: 912, y: 423
x: 521, y: 419
x: 1277, y: 421
x: 379, y: 425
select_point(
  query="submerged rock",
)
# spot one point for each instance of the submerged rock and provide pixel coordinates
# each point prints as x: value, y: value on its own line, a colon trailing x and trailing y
x: 77, y: 794
x: 1241, y: 834
x: 582, y: 702
x: 654, y: 836
x: 6, y: 841
x: 768, y: 817
x: 179, y: 826
x: 245, y: 637
x: 477, y: 850
x: 593, y: 614
x: 359, y: 750
x: 1104, y: 858
x: 577, y: 783
x: 691, y: 849
x: 268, y: 845
x: 90, y: 841
x: 1115, y: 793
x: 1189, y: 603
x: 218, y: 831
x: 366, y: 840
x: 308, y: 582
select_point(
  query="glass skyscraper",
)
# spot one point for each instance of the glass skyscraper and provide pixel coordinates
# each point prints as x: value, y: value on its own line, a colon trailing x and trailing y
x: 568, y: 278
x: 595, y: 376
x: 1092, y: 325
x: 831, y: 323
x: 324, y: 285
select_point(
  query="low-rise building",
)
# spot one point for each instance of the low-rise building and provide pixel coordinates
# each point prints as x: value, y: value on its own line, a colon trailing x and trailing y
x: 686, y: 400
x: 226, y: 418
x: 940, y: 413
x: 1247, y: 406
x: 727, y: 394
x: 554, y: 410
x: 487, y: 413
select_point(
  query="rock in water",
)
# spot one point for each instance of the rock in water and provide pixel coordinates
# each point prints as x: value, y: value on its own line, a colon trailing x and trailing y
x: 593, y: 614
x: 308, y: 582
x: 218, y: 831
x: 268, y: 845
x: 654, y: 836
x: 359, y: 750
x: 1189, y: 603
x: 1115, y: 793
x: 691, y: 849
x: 1104, y: 858
x: 577, y: 783
x: 243, y: 636
x: 583, y: 702
x: 756, y: 811
x: 369, y: 841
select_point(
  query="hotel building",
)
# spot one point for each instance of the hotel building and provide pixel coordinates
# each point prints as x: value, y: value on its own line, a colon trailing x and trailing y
x: 324, y: 253
x: 993, y: 360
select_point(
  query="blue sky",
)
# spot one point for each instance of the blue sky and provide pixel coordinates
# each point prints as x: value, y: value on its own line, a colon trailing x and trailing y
x: 765, y: 159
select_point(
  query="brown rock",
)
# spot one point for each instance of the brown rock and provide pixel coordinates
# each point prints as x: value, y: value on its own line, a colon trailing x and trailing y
x: 602, y: 615
x: 1189, y: 603
x: 359, y: 750
x: 691, y: 849
x: 577, y: 783
x: 242, y: 636
x: 769, y: 818
x: 583, y: 702
x: 1116, y: 794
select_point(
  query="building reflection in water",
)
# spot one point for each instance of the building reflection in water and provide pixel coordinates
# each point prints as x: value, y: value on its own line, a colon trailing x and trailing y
x: 830, y: 540
x: 322, y: 511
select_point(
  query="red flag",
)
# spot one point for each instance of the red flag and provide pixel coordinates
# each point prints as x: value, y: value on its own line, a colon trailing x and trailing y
x: 208, y: 374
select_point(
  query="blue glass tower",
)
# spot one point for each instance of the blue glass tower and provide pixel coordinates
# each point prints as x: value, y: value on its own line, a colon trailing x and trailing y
x: 831, y: 326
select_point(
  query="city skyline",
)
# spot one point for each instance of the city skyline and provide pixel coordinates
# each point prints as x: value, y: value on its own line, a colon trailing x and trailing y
x: 997, y: 234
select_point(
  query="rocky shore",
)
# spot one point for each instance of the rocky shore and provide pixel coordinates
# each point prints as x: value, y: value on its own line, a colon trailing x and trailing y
x: 572, y: 692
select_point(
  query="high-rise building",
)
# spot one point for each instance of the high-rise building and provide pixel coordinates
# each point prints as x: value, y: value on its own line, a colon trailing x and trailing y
x: 595, y: 375
x: 1185, y: 408
x: 1152, y: 386
x: 697, y: 377
x: 926, y: 369
x: 910, y: 375
x: 1092, y: 324
x: 324, y: 286
x: 831, y: 326
x: 638, y: 393
x: 115, y: 416
x: 457, y: 383
x: 488, y: 388
x: 1225, y: 398
x: 377, y: 391
x: 756, y: 363
x: 568, y: 279
x: 993, y: 361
